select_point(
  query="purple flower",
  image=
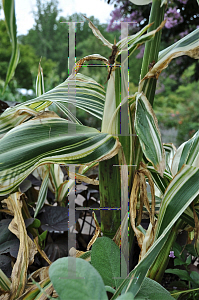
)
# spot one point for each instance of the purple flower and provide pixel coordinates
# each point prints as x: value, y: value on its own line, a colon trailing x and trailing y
x: 173, y: 17
x: 117, y: 17
x: 172, y: 254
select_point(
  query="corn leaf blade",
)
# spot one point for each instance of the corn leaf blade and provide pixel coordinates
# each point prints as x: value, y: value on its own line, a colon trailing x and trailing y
x: 48, y: 140
x: 146, y: 127
x: 10, y: 20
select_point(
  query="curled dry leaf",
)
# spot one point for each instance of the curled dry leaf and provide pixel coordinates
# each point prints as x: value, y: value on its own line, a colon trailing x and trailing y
x: 148, y: 240
x: 97, y: 232
x: 98, y: 34
x: 27, y: 248
x: 173, y: 51
x: 83, y: 178
x: 78, y: 65
x: 43, y: 254
x: 133, y: 204
x: 33, y: 288
x: 143, y: 170
x: 40, y: 274
x: 5, y: 296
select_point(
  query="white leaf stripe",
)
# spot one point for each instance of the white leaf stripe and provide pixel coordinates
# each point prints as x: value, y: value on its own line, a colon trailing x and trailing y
x: 187, y: 153
x: 182, y: 190
x: 44, y: 141
x: 188, y: 45
x: 188, y: 177
x: 146, y: 127
x: 86, y: 94
x: 42, y: 193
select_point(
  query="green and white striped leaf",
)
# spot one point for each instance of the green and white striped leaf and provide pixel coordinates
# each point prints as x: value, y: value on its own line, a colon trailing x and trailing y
x: 160, y: 182
x: 182, y: 190
x: 187, y: 216
x: 170, y: 151
x: 4, y: 281
x: 84, y: 93
x: 188, y: 45
x: 40, y: 81
x: 131, y: 42
x: 187, y: 153
x: 66, y: 186
x: 9, y: 12
x: 179, y: 195
x: 49, y: 140
x: 134, y: 41
x: 43, y: 191
x: 146, y: 126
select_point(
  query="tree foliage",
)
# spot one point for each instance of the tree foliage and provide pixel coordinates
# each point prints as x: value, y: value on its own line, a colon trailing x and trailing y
x: 182, y: 17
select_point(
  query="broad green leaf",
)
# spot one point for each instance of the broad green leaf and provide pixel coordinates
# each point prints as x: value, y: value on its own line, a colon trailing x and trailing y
x: 42, y: 192
x: 187, y: 153
x: 9, y: 12
x: 127, y: 296
x: 105, y: 258
x: 80, y: 91
x: 49, y: 140
x: 146, y: 126
x: 152, y: 290
x: 75, y: 278
x: 180, y: 193
x: 109, y: 289
x: 188, y: 45
x: 184, y: 275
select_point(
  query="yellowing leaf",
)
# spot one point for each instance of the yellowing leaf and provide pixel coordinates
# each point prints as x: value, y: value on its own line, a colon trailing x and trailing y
x: 27, y: 248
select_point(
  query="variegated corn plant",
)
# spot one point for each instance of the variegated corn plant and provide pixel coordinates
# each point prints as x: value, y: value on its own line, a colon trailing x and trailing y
x: 32, y: 138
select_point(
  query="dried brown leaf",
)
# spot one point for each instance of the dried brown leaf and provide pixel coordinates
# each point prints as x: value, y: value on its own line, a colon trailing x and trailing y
x: 27, y: 249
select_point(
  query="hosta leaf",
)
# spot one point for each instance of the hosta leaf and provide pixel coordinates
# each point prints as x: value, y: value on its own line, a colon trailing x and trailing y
x: 9, y: 11
x: 49, y: 140
x: 187, y: 153
x: 146, y: 126
x: 188, y: 45
x: 79, y: 279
